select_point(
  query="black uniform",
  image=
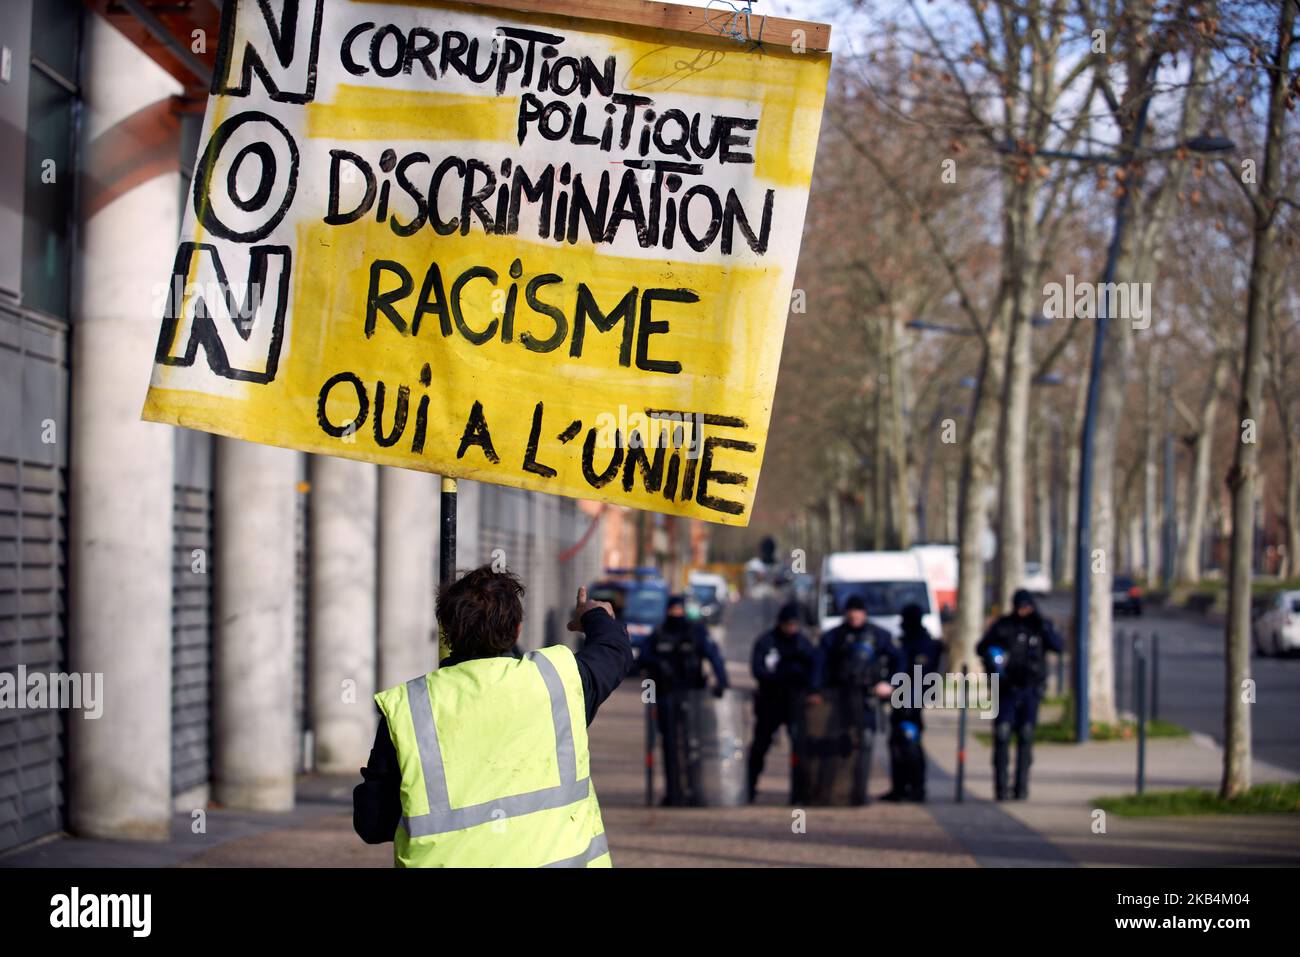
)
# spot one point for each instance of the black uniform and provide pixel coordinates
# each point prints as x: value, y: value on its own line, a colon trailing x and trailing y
x: 674, y: 659
x: 914, y: 649
x: 848, y: 665
x: 851, y: 661
x: 783, y: 667
x: 1024, y: 641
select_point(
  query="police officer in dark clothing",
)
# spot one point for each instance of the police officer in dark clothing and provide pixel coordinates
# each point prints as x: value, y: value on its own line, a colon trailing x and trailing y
x: 782, y: 664
x: 674, y: 659
x: 1015, y: 649
x: 915, y: 648
x: 852, y: 667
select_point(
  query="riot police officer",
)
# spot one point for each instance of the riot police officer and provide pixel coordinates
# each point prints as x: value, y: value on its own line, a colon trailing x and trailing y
x: 1015, y: 650
x: 674, y: 659
x: 915, y: 648
x: 852, y: 667
x: 782, y: 664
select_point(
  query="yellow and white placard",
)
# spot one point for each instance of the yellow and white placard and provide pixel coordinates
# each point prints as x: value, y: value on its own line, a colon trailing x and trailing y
x: 543, y: 251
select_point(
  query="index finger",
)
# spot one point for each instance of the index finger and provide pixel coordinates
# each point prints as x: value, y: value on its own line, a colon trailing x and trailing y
x: 582, y: 594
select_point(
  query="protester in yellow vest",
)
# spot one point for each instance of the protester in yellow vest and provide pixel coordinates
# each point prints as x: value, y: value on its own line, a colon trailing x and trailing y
x: 484, y: 762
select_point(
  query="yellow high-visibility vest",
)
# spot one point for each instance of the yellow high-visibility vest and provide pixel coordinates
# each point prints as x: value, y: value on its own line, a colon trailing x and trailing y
x: 495, y: 766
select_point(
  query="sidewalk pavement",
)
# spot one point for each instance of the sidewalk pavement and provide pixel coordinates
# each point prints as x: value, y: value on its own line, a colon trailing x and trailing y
x: 1053, y: 828
x: 1067, y: 778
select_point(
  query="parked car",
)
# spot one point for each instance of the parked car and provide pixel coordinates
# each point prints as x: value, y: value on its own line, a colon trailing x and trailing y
x: 1125, y: 596
x: 1277, y: 629
x: 1036, y: 579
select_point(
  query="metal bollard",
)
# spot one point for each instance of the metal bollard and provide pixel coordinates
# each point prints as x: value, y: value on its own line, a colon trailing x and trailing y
x: 961, y: 740
x: 1119, y: 669
x: 1138, y: 649
x: 1155, y: 676
x: 1140, y: 678
x: 649, y: 754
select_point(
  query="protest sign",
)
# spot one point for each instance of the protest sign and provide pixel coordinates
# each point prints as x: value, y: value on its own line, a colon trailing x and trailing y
x: 547, y: 251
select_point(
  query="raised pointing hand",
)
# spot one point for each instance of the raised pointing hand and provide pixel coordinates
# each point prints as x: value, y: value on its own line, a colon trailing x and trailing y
x: 585, y: 605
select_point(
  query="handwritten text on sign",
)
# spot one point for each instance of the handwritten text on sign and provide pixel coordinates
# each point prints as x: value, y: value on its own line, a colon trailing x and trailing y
x: 531, y: 250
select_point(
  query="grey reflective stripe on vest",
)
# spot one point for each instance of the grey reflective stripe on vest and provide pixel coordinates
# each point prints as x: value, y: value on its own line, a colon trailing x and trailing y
x: 442, y: 817
x: 595, y: 849
x: 564, y: 751
x: 426, y: 737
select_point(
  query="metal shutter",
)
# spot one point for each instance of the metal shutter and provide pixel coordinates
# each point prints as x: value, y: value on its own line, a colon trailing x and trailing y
x: 192, y: 612
x: 33, y: 546
x: 505, y: 524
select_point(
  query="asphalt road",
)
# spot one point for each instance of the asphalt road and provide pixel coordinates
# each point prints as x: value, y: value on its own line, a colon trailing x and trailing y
x: 1190, y: 674
x: 1191, y: 683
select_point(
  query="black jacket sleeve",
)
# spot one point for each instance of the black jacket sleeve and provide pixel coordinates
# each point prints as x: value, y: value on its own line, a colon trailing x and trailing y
x: 377, y: 800
x: 1053, y: 637
x: 758, y: 660
x: 604, y: 660
x: 714, y: 654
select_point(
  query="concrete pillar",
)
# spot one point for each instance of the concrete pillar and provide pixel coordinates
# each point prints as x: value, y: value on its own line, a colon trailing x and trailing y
x: 120, y: 471
x: 342, y: 643
x: 254, y: 746
x: 408, y: 534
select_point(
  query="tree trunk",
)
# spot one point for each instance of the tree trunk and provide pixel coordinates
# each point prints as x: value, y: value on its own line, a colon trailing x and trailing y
x: 1043, y: 503
x: 1243, y: 478
x: 951, y: 503
x: 1189, y: 557
x: 1286, y: 415
x: 1292, y: 507
x: 1072, y: 483
x: 833, y: 542
x: 880, y: 453
x: 1150, y: 506
x: 977, y: 487
x: 901, y: 497
x: 1015, y: 411
x: 1101, y: 542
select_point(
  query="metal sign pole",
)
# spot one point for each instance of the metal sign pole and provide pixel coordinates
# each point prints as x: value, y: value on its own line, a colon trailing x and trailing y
x: 1140, y: 676
x: 447, y: 533
x: 961, y: 742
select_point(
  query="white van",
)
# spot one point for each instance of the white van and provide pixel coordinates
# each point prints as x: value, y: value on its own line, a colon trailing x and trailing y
x: 885, y: 581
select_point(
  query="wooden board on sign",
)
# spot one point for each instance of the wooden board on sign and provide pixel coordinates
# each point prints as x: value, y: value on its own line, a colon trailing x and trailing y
x: 715, y: 21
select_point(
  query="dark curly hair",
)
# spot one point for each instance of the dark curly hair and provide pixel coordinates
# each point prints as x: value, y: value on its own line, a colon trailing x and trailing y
x: 479, y: 613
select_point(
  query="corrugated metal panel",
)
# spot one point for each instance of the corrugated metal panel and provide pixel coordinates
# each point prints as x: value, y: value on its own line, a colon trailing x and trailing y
x: 192, y: 613
x: 32, y: 544
x: 532, y: 532
x: 33, y: 549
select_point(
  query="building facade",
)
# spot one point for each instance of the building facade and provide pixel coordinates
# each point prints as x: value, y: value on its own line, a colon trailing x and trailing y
x: 238, y: 604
